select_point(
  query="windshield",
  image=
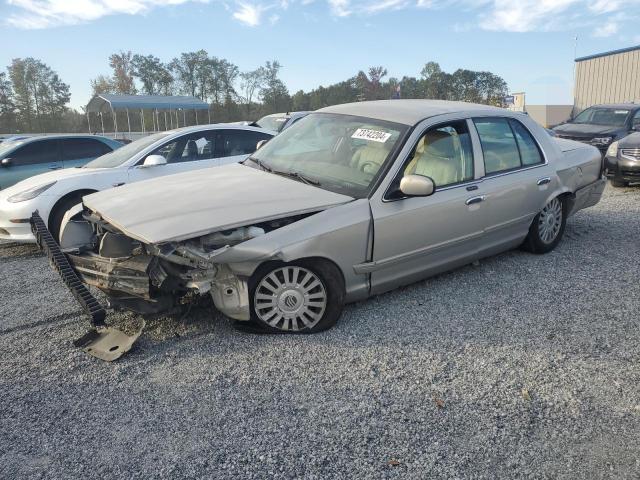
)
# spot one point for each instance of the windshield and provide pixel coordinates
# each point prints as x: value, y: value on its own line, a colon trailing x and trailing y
x: 611, y: 117
x: 122, y: 154
x: 272, y: 122
x: 8, y: 145
x: 340, y: 153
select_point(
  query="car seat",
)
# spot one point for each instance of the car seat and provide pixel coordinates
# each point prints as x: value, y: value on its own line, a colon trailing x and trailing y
x: 434, y: 159
x: 192, y: 151
x: 369, y: 158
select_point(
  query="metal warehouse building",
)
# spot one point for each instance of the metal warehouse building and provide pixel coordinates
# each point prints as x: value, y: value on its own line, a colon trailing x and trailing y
x: 609, y: 77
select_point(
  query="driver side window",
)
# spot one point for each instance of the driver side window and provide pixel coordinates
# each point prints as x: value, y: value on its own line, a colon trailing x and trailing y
x: 444, y: 153
x: 635, y: 123
x: 189, y: 148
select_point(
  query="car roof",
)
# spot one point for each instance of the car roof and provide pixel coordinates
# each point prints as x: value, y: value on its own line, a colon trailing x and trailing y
x: 626, y: 106
x: 35, y: 138
x: 409, y: 112
x: 226, y: 126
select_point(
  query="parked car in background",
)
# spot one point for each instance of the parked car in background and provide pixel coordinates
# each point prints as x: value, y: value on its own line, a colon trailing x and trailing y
x: 622, y: 162
x: 355, y: 200
x: 190, y: 148
x: 279, y: 121
x: 601, y: 125
x: 25, y: 157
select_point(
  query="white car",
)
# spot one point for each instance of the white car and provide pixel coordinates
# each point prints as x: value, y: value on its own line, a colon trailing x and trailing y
x: 165, y: 153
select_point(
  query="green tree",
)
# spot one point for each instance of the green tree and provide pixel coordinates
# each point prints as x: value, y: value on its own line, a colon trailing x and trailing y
x: 251, y: 83
x: 123, y: 73
x: 7, y: 107
x: 192, y: 70
x: 274, y: 92
x: 152, y: 73
x: 40, y: 95
x: 102, y: 84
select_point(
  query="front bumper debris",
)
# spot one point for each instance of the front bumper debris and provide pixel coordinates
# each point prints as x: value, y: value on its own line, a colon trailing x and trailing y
x: 102, y: 341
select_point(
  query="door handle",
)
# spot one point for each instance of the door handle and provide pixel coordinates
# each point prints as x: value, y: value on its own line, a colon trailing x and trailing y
x: 474, y: 200
x: 544, y: 181
x: 54, y: 167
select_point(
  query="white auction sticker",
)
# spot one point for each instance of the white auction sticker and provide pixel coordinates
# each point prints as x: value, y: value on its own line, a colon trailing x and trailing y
x: 371, y: 135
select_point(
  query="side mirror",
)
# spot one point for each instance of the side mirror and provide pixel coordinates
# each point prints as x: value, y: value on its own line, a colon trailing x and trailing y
x: 261, y: 144
x: 417, y: 186
x: 154, y: 160
x: 6, y: 162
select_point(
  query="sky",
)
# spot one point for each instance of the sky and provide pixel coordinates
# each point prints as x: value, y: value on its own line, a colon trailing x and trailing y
x: 529, y: 43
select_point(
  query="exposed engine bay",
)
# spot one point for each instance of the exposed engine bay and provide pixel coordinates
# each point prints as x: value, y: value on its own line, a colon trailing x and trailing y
x: 157, y: 278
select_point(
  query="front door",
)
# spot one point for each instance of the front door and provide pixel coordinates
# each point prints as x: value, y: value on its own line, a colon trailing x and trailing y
x: 188, y: 152
x: 420, y: 236
x: 35, y: 157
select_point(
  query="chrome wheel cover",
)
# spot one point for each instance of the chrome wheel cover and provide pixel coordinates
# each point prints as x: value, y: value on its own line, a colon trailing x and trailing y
x: 290, y: 298
x: 550, y: 221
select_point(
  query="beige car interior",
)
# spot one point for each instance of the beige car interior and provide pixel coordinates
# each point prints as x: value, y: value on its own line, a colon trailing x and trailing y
x: 438, y: 155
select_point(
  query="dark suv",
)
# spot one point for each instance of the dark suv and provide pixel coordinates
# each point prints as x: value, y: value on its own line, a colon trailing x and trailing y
x: 601, y: 125
x: 622, y: 163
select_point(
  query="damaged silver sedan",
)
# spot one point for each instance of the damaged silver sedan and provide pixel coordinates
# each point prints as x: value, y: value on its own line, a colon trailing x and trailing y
x: 351, y: 201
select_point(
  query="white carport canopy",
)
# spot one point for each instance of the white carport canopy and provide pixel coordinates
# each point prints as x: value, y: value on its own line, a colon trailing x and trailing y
x: 110, y: 103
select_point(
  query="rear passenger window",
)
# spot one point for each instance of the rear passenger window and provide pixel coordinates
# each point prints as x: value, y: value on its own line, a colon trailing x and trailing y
x: 35, y: 152
x: 529, y: 151
x: 77, y: 148
x: 498, y: 145
x: 506, y: 145
x: 242, y: 142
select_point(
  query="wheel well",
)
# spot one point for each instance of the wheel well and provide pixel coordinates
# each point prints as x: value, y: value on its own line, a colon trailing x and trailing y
x: 569, y: 199
x: 61, y: 200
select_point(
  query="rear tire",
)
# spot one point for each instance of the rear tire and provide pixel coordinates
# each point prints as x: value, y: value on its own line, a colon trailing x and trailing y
x: 58, y: 212
x: 547, y: 228
x: 619, y: 183
x: 305, y: 296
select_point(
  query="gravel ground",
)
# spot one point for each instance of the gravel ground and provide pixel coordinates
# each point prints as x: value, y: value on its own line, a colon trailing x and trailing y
x: 523, y: 366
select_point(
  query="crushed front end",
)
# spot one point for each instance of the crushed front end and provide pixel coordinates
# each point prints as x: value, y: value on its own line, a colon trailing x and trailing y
x: 159, y: 278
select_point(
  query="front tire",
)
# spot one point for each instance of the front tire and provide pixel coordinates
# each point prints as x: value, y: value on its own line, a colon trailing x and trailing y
x: 298, y: 297
x: 547, y: 228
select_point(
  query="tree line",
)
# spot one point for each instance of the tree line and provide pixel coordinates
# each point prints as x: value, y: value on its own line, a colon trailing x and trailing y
x: 33, y: 98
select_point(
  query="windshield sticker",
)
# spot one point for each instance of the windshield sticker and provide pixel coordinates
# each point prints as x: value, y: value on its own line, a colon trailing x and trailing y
x: 622, y: 112
x: 371, y: 135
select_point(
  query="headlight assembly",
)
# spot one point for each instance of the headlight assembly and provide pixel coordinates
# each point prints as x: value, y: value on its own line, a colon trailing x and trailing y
x: 613, y: 150
x: 30, y: 194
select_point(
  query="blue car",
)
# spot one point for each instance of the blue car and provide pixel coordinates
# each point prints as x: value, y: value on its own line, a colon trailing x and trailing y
x: 26, y: 157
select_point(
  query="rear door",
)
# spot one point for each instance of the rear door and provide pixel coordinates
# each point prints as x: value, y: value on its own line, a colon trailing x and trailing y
x: 236, y: 145
x: 33, y: 158
x: 516, y: 182
x: 78, y: 151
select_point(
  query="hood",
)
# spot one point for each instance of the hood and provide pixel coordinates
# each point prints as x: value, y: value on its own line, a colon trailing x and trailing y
x: 48, y: 177
x: 191, y: 204
x: 630, y: 141
x: 586, y: 131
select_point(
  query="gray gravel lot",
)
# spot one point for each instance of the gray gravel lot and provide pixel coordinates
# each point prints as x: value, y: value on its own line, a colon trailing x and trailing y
x: 523, y: 366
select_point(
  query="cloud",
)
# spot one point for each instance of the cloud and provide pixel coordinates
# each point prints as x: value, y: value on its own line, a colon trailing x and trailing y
x: 340, y: 8
x: 250, y: 15
x: 32, y: 14
x: 603, y: 17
